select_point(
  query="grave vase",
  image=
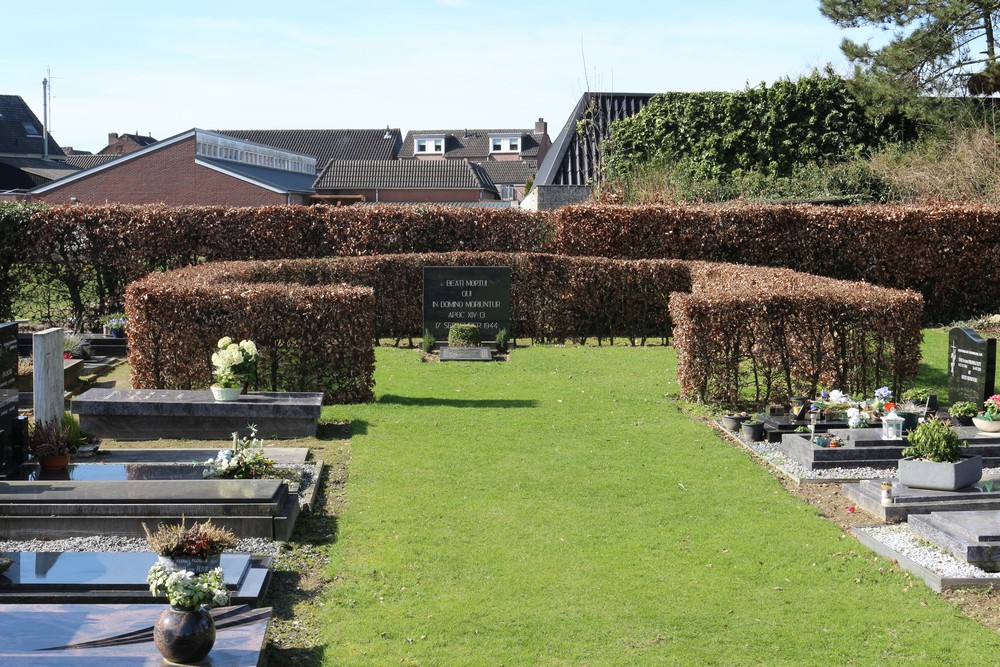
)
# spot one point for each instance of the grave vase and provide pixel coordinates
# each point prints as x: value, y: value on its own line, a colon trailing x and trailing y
x: 226, y: 393
x: 184, y: 635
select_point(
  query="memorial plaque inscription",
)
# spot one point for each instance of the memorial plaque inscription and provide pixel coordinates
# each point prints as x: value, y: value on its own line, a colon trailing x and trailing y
x: 972, y: 365
x: 477, y: 295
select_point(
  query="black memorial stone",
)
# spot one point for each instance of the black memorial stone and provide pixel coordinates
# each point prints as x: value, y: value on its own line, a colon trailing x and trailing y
x: 477, y: 295
x: 972, y: 365
x: 10, y: 456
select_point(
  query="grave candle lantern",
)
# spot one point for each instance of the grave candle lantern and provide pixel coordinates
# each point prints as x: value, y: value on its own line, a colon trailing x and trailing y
x: 892, y: 426
x: 799, y: 407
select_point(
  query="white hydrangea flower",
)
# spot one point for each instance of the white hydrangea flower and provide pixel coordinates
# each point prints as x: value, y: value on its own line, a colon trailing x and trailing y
x: 224, y: 342
x: 837, y: 396
x: 249, y: 347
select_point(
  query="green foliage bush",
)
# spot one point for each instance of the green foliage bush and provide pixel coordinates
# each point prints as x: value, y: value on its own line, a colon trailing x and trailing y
x: 935, y: 441
x: 14, y: 218
x: 464, y: 335
x: 763, y: 129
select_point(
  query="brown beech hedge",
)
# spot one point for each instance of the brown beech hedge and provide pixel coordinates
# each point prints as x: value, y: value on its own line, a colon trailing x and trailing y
x: 739, y: 331
x: 311, y: 337
x: 949, y: 253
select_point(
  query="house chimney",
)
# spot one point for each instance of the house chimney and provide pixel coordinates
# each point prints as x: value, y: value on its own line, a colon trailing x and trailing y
x: 112, y: 137
x: 541, y: 127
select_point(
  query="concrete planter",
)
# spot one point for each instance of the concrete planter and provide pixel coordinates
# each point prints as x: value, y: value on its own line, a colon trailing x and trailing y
x: 940, y: 476
x: 986, y: 426
x: 226, y: 393
x: 753, y: 432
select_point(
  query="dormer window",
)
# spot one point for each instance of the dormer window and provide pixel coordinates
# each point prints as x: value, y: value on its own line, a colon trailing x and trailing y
x: 429, y: 145
x: 505, y: 144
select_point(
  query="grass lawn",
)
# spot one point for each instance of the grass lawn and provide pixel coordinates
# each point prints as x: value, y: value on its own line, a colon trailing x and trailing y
x: 564, y: 509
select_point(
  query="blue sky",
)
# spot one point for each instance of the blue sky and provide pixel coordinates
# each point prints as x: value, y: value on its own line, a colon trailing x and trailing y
x: 165, y: 67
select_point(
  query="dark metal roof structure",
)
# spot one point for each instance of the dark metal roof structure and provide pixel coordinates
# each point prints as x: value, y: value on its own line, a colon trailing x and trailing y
x: 326, y: 145
x: 509, y: 172
x: 286, y: 181
x: 403, y: 175
x: 576, y: 155
x: 471, y: 144
x: 21, y: 131
x: 88, y: 161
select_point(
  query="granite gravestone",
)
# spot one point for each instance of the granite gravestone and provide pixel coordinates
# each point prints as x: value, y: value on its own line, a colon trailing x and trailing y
x: 972, y: 365
x: 8, y: 395
x: 477, y: 295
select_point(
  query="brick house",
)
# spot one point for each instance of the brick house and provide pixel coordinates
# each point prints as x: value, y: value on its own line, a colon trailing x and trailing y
x: 404, y: 182
x: 196, y: 167
x: 26, y: 159
x: 121, y: 144
x: 509, y: 156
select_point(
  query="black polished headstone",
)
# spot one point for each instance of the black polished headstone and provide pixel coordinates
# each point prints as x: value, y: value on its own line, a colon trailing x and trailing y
x: 972, y: 365
x: 9, y: 458
x: 477, y: 295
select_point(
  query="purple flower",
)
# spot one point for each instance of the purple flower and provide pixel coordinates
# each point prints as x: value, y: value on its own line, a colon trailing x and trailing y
x: 883, y: 393
x: 824, y: 394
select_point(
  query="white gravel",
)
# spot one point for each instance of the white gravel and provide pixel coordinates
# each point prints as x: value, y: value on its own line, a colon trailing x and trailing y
x: 249, y: 545
x: 901, y: 540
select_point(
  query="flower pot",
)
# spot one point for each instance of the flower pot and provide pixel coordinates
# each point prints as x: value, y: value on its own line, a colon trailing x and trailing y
x: 910, y: 420
x: 986, y: 425
x: 962, y: 421
x: 753, y: 432
x: 733, y: 422
x: 54, y: 462
x: 919, y: 474
x: 184, y: 635
x: 226, y: 393
x: 191, y: 563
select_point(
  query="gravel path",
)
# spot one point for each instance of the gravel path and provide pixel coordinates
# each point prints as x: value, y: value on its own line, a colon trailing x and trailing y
x: 249, y: 545
x: 901, y: 540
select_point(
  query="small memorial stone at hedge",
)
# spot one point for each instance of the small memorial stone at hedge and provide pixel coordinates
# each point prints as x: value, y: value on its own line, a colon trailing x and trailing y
x: 971, y: 366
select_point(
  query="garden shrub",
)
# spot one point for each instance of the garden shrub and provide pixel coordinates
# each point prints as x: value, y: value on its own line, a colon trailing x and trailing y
x: 464, y: 335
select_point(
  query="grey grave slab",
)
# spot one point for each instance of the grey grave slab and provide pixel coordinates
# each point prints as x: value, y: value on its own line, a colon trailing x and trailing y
x: 150, y: 414
x: 113, y: 577
x: 104, y: 635
x: 971, y: 536
x: 49, y: 509
x: 867, y: 494
x: 866, y: 448
x: 176, y: 455
x: 466, y: 354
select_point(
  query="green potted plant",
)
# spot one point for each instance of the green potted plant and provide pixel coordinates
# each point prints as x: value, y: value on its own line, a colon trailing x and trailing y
x: 934, y: 459
x: 989, y: 421
x: 753, y: 430
x: 53, y: 444
x: 962, y: 412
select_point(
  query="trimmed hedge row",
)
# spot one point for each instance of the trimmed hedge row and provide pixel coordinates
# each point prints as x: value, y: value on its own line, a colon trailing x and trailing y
x: 311, y: 338
x: 776, y: 333
x: 738, y: 329
x: 552, y: 297
x: 104, y: 248
x: 949, y: 253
